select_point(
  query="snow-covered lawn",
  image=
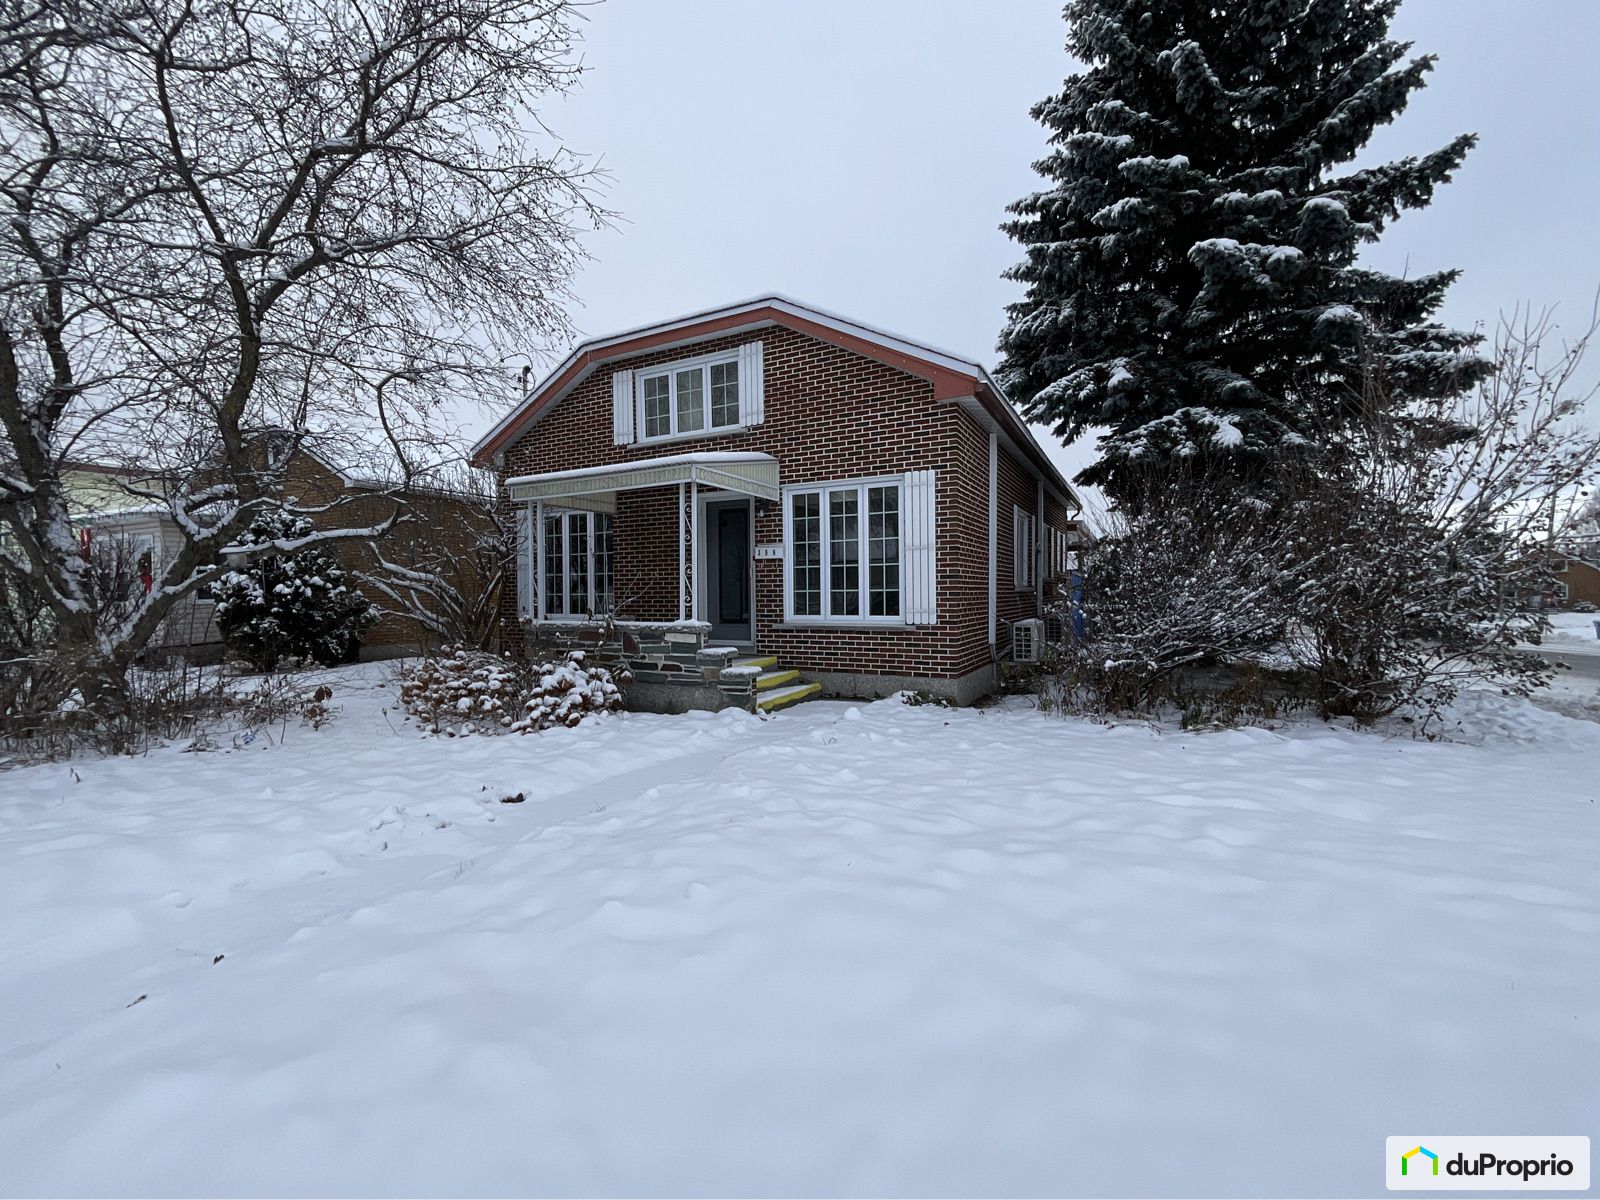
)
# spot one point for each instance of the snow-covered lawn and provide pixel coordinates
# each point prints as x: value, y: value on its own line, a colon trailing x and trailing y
x: 855, y: 949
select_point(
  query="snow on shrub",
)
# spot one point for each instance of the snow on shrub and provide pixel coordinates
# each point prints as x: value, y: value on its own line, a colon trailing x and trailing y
x: 470, y: 691
x: 564, y: 693
x: 297, y: 605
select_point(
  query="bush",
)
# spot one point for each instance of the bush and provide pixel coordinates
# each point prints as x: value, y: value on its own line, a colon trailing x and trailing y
x: 1190, y: 582
x: 167, y: 702
x: 289, y: 605
x: 567, y: 692
x: 1377, y: 578
x: 464, y: 691
x: 1584, y: 606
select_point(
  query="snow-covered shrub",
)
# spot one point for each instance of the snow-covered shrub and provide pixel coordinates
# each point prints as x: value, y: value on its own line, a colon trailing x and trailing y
x: 1422, y: 549
x: 1379, y: 577
x: 1583, y: 606
x: 298, y: 604
x: 565, y: 693
x: 1192, y: 581
x: 464, y: 691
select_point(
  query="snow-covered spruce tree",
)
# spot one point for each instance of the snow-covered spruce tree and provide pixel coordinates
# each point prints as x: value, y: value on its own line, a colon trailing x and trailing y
x: 1191, y: 264
x: 289, y: 605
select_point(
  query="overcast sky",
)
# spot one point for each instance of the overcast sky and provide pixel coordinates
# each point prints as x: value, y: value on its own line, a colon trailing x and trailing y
x: 859, y: 154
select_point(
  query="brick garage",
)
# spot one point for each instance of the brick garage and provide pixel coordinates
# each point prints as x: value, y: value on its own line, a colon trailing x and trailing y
x: 841, y: 403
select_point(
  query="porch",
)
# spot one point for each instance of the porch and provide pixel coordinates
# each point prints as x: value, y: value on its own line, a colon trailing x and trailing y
x: 649, y: 563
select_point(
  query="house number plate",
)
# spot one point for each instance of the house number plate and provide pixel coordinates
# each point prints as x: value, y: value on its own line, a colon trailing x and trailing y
x: 774, y: 551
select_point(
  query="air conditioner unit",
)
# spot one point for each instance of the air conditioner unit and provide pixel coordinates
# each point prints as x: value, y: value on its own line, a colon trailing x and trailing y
x: 1027, y: 640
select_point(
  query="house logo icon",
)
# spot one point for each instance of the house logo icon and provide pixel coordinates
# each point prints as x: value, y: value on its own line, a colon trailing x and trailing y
x: 1405, y: 1159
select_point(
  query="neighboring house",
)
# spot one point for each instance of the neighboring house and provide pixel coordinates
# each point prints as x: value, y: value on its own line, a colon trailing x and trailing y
x: 1576, y: 579
x: 844, y: 510
x: 147, y: 532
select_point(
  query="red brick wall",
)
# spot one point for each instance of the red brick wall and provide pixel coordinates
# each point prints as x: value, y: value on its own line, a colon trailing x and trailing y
x: 830, y: 414
x: 1583, y: 582
x: 1017, y: 489
x: 438, y: 522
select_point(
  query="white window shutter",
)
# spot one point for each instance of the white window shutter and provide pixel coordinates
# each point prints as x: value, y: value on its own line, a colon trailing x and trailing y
x: 525, y: 596
x: 622, y: 408
x: 919, y: 543
x: 752, y: 385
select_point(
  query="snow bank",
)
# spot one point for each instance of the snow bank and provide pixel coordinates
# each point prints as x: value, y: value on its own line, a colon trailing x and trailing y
x: 864, y: 950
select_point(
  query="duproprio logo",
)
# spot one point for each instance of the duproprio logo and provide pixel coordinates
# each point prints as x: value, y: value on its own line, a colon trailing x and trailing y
x: 1487, y: 1163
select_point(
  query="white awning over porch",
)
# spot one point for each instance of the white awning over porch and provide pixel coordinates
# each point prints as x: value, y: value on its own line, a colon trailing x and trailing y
x: 748, y: 473
x: 594, y: 490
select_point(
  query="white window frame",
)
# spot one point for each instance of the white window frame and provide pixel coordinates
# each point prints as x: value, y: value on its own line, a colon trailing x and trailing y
x: 1023, y: 545
x: 670, y: 371
x: 552, y: 611
x: 1562, y: 592
x: 863, y: 582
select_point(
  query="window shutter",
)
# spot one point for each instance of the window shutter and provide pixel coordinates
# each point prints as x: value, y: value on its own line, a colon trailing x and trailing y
x: 622, y: 408
x: 752, y: 385
x: 918, y: 537
x: 525, y: 562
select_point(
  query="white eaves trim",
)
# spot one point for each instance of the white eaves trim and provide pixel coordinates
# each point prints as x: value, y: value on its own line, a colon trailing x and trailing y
x: 841, y: 324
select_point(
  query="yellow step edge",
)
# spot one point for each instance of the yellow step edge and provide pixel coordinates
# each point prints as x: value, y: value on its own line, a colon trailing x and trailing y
x: 763, y: 661
x: 787, y: 695
x: 772, y: 679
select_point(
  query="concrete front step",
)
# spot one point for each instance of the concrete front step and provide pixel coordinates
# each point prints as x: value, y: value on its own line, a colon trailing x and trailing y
x: 775, y: 678
x: 764, y: 661
x: 780, y: 697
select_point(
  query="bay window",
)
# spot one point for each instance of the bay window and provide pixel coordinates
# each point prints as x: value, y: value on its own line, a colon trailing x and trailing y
x: 577, y: 563
x: 844, y: 552
x: 689, y: 398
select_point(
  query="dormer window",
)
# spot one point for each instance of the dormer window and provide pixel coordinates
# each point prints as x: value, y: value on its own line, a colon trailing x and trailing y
x: 684, y: 399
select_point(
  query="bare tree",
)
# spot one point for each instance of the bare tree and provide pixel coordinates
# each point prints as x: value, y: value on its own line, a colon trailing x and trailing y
x: 449, y: 585
x: 293, y: 215
x: 1429, y: 547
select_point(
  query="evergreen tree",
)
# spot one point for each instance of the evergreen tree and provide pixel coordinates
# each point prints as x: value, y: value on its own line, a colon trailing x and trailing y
x: 1191, y: 268
x: 289, y: 605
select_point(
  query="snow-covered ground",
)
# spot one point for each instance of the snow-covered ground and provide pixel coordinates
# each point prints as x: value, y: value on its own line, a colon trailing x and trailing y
x: 855, y: 949
x: 1573, y: 629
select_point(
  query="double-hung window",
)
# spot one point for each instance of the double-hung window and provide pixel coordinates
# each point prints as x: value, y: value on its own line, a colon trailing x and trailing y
x: 1022, y: 547
x: 577, y: 563
x: 684, y: 399
x: 844, y: 561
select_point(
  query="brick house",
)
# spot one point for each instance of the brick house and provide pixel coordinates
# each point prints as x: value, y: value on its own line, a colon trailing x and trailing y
x: 1577, y: 580
x: 770, y: 501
